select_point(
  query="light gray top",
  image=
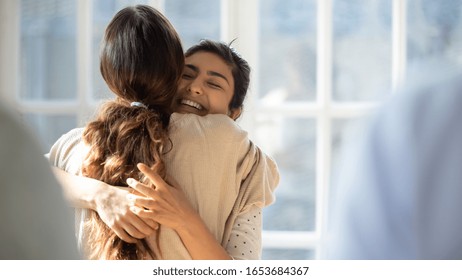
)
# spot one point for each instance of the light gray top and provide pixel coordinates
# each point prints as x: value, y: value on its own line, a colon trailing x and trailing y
x: 399, y: 190
x: 36, y: 222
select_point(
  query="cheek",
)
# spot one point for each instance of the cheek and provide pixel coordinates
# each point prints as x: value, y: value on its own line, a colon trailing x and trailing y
x: 182, y: 85
x: 218, y: 105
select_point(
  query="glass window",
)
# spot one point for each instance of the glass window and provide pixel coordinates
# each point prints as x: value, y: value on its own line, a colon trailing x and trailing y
x: 195, y: 20
x: 48, y: 49
x: 361, y: 49
x: 287, y: 73
x: 292, y: 143
x: 49, y: 128
x: 434, y: 29
x: 287, y: 51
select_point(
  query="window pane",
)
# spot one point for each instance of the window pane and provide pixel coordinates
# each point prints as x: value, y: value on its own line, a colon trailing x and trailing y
x: 195, y: 20
x: 434, y: 29
x: 287, y: 53
x: 361, y: 49
x: 49, y: 128
x: 103, y: 12
x: 286, y: 254
x: 48, y: 49
x: 291, y: 141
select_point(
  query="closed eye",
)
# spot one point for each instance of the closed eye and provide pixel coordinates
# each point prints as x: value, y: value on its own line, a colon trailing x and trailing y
x: 215, y: 85
x: 189, y: 72
x: 187, y: 76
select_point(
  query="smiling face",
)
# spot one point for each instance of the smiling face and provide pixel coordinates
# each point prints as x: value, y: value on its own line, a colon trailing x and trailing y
x: 206, y: 86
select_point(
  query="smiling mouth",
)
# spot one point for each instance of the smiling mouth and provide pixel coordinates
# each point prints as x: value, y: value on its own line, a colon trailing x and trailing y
x: 191, y: 103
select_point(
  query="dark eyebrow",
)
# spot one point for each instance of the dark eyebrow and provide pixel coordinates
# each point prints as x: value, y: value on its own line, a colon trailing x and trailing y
x: 192, y: 67
x: 216, y: 74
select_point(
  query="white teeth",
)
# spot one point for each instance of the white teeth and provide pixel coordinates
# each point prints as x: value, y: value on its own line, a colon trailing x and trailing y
x: 191, y: 103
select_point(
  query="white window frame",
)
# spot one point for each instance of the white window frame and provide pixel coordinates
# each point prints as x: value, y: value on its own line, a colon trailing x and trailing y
x: 323, y: 110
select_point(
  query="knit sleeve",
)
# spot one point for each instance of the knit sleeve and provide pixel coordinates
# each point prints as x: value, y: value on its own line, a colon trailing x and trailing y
x: 260, y: 178
x: 244, y: 243
x: 61, y: 151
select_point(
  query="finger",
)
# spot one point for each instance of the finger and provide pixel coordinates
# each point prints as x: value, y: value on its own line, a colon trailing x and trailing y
x: 122, y: 234
x: 132, y: 231
x: 153, y: 224
x: 141, y: 188
x: 133, y: 191
x: 155, y: 178
x: 146, y: 227
x: 144, y: 213
x: 145, y: 202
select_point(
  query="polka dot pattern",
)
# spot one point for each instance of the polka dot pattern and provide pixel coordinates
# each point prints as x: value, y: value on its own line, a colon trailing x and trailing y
x: 245, y: 240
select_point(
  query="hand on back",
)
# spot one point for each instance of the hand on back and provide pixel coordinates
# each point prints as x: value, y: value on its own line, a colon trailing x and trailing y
x: 113, y: 208
x: 161, y: 202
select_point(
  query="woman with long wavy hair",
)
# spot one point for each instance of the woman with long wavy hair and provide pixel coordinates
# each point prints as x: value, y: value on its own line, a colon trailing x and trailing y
x: 132, y: 128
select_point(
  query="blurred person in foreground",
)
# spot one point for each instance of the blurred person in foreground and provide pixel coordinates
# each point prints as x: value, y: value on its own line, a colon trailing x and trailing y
x: 401, y: 199
x: 36, y: 223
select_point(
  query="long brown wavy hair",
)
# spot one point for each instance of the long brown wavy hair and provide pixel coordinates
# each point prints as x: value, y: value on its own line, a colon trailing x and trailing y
x: 141, y: 60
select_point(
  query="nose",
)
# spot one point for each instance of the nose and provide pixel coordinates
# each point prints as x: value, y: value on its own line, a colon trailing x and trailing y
x: 195, y: 88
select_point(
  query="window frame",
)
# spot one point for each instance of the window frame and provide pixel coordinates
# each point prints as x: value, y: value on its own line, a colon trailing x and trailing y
x: 324, y: 109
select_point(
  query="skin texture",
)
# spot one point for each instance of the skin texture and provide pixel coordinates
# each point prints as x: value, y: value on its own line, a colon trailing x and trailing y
x: 206, y: 86
x: 110, y: 202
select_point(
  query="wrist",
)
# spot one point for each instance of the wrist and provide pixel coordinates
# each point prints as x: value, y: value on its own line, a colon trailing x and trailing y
x: 189, y: 225
x: 199, y: 241
x: 100, y: 195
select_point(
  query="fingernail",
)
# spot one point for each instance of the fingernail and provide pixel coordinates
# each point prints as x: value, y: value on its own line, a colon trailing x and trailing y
x: 130, y: 181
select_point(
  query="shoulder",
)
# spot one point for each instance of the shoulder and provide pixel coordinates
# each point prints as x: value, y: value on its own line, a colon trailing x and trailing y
x: 214, y: 127
x: 70, y: 139
x: 261, y: 172
x: 63, y: 148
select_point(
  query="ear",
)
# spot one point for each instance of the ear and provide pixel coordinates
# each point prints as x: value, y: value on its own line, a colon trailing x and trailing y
x: 235, y: 113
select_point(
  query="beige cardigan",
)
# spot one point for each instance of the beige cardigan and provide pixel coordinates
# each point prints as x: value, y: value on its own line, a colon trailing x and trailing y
x: 222, y: 173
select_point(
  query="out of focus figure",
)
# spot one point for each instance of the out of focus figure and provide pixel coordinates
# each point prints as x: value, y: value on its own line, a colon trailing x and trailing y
x: 35, y: 221
x: 399, y: 190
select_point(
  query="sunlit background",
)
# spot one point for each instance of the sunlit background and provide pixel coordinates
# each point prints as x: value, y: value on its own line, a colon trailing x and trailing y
x: 317, y: 66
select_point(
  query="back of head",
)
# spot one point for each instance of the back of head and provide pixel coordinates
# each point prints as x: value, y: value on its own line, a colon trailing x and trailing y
x: 240, y: 67
x: 141, y: 57
x: 141, y: 61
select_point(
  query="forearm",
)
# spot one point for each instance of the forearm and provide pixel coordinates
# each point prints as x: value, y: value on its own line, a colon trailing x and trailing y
x: 79, y: 191
x: 200, y: 242
x: 168, y: 206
